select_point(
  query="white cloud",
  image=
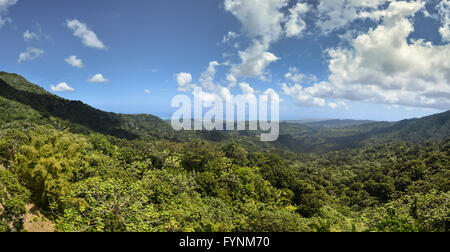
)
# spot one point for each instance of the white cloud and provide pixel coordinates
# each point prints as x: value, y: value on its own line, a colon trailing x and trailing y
x: 183, y: 80
x: 295, y: 76
x: 212, y: 91
x: 296, y: 25
x: 88, y: 37
x: 30, y: 53
x: 231, y: 80
x: 258, y: 18
x: 230, y: 36
x: 381, y: 65
x: 206, y: 97
x: 147, y: 91
x: 209, y: 86
x: 262, y: 22
x: 4, y: 6
x: 273, y: 94
x: 247, y: 95
x: 74, y: 61
x: 254, y: 60
x: 207, y: 77
x: 416, y: 74
x: 336, y: 14
x: 445, y: 32
x: 302, y: 97
x: 62, y: 87
x: 397, y: 11
x: 98, y: 78
x: 444, y: 11
x: 336, y: 105
x: 27, y: 35
x: 332, y: 105
x: 246, y: 88
x: 385, y: 66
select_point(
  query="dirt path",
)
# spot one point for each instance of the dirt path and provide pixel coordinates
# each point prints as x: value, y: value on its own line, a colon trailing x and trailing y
x: 36, y: 222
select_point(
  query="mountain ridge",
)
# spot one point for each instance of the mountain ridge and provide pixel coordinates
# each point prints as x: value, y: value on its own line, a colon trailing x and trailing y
x: 16, y: 88
x: 326, y: 135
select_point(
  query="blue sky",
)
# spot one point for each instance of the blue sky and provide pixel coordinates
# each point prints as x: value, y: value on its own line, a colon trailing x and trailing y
x: 381, y: 60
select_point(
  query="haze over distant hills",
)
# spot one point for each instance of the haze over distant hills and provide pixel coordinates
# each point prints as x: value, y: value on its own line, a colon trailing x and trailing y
x: 18, y: 95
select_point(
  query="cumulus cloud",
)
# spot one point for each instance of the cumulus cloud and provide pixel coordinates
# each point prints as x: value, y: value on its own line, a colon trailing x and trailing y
x: 74, y: 61
x: 302, y: 96
x: 385, y: 66
x: 258, y: 18
x: 231, y: 80
x: 397, y: 11
x: 4, y: 6
x: 230, y: 36
x: 207, y: 82
x: 246, y: 88
x: 273, y: 95
x: 337, y: 14
x: 445, y: 32
x: 295, y: 76
x: 27, y: 35
x: 332, y: 105
x: 337, y: 105
x: 444, y: 11
x: 88, y: 37
x: 254, y: 60
x: 262, y: 22
x: 207, y: 98
x: 212, y: 91
x: 30, y: 53
x: 381, y: 65
x: 62, y: 87
x: 247, y: 96
x: 183, y: 80
x: 207, y: 77
x: 296, y: 25
x: 98, y: 78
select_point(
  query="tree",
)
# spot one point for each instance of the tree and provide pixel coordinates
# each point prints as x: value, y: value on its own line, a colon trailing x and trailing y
x: 13, y: 198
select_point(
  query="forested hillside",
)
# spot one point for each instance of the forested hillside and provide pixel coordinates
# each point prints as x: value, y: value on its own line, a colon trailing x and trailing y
x: 78, y: 116
x: 88, y: 170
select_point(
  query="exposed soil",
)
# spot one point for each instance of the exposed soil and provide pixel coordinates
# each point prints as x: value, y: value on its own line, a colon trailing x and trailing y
x: 36, y: 222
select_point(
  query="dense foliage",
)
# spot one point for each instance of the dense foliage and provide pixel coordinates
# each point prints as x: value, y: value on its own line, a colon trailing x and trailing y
x: 98, y: 183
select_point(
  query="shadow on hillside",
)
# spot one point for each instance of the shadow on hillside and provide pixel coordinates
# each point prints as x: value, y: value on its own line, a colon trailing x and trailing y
x: 73, y: 111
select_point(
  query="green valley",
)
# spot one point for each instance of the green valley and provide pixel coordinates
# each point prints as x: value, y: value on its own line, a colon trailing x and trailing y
x: 91, y: 171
